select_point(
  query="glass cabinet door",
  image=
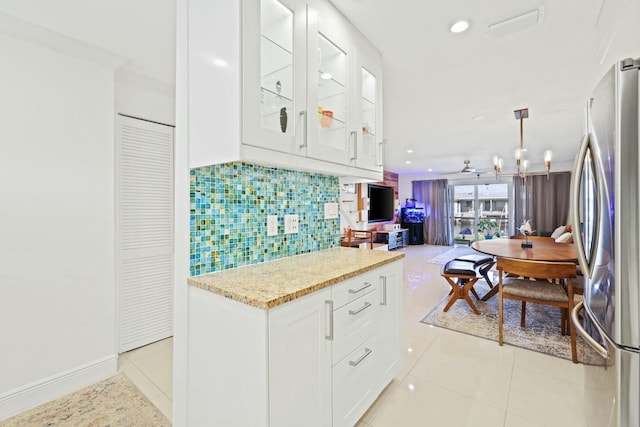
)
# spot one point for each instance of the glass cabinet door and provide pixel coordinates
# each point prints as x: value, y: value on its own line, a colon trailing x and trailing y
x: 331, y: 123
x: 331, y: 64
x: 276, y: 66
x: 367, y: 122
x: 369, y: 142
x: 274, y: 95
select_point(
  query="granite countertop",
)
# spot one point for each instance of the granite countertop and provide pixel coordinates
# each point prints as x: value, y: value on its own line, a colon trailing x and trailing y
x: 272, y: 283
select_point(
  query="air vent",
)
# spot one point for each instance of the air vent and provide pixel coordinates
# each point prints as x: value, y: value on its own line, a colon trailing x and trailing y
x: 517, y: 23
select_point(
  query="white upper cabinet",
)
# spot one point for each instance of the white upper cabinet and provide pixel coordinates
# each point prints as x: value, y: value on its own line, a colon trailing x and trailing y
x: 274, y: 76
x: 280, y: 82
x: 331, y: 87
x: 369, y: 148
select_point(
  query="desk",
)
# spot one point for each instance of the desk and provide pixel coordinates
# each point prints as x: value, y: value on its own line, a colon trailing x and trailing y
x: 510, y: 248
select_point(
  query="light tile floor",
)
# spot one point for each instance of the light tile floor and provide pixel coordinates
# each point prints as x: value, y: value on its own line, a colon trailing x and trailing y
x: 447, y: 378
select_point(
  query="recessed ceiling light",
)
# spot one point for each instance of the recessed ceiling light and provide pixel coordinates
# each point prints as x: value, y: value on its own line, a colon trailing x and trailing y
x: 408, y: 162
x: 459, y: 26
x: 429, y: 170
x: 409, y: 151
x: 326, y: 76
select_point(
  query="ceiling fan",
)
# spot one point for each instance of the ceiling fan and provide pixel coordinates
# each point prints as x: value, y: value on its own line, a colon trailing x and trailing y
x: 467, y: 167
x: 467, y: 170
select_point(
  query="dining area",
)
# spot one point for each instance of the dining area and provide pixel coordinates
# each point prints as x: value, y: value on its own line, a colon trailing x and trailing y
x: 528, y: 273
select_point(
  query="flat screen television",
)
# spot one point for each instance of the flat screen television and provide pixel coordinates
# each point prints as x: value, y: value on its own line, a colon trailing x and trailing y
x: 381, y: 203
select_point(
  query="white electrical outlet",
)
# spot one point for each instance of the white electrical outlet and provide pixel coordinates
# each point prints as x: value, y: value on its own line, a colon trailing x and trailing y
x: 272, y: 225
x: 330, y: 210
x: 290, y: 224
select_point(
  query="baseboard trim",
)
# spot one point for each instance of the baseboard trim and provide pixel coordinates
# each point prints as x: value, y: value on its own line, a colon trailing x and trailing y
x: 26, y: 397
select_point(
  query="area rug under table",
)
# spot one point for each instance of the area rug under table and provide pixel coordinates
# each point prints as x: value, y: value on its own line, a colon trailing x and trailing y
x: 541, y: 334
x: 112, y: 402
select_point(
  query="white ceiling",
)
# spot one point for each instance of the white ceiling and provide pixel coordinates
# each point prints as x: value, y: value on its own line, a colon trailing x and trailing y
x: 435, y: 81
x: 141, y: 32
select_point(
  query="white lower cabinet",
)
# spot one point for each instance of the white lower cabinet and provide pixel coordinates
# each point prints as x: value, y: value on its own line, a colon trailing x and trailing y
x: 390, y: 315
x: 300, y: 362
x: 320, y: 360
x: 355, y: 383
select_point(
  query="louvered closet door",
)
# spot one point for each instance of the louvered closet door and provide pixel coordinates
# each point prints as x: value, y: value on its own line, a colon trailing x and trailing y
x: 145, y: 232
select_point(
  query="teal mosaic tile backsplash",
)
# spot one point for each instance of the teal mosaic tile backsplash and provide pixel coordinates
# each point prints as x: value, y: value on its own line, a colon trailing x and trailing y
x: 229, y: 207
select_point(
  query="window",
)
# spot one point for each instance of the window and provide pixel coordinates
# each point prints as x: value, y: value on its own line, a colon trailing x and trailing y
x: 492, y: 201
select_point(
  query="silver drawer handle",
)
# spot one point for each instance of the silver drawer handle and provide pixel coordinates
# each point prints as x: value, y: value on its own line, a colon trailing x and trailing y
x: 367, y: 351
x: 355, y: 291
x: 303, y: 118
x: 364, y: 307
x: 329, y: 303
x: 384, y: 290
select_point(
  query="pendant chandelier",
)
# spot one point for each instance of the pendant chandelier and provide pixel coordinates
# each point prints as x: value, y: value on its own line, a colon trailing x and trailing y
x: 521, y: 163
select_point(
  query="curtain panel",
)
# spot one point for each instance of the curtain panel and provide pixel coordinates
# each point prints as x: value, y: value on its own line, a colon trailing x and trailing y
x: 545, y: 202
x: 434, y: 195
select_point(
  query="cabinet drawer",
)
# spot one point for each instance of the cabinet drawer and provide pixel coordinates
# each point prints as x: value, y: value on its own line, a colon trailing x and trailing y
x: 353, y: 324
x: 352, y: 289
x: 354, y: 383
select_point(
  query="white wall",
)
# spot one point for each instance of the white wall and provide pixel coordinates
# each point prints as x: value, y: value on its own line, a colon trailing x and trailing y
x: 144, y: 98
x: 617, y: 33
x: 57, y: 297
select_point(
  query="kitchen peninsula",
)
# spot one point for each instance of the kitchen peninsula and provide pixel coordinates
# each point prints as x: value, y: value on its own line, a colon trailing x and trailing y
x: 306, y: 340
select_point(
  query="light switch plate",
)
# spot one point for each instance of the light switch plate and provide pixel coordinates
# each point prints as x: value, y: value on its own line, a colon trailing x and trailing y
x: 330, y: 210
x: 290, y: 224
x: 272, y: 225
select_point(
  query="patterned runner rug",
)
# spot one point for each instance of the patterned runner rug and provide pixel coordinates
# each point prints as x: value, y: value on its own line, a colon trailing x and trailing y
x: 541, y: 334
x: 112, y: 402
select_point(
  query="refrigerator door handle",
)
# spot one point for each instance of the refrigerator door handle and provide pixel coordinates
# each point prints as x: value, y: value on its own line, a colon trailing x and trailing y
x: 584, y: 334
x: 575, y: 203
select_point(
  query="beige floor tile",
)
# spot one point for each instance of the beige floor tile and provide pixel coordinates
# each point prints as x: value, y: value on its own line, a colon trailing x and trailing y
x: 550, y: 401
x: 414, y: 346
x: 481, y: 375
x: 574, y: 373
x: 375, y: 407
x: 420, y: 403
x: 165, y: 405
x: 517, y: 421
x: 148, y: 350
x: 140, y: 380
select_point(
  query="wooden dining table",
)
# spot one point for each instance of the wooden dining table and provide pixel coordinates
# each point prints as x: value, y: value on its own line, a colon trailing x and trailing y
x: 542, y: 250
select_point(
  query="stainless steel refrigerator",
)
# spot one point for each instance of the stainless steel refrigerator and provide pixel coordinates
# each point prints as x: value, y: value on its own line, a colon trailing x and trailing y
x: 606, y: 231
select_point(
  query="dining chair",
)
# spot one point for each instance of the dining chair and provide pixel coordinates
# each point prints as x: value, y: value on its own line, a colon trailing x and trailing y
x: 557, y: 292
x: 538, y: 238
